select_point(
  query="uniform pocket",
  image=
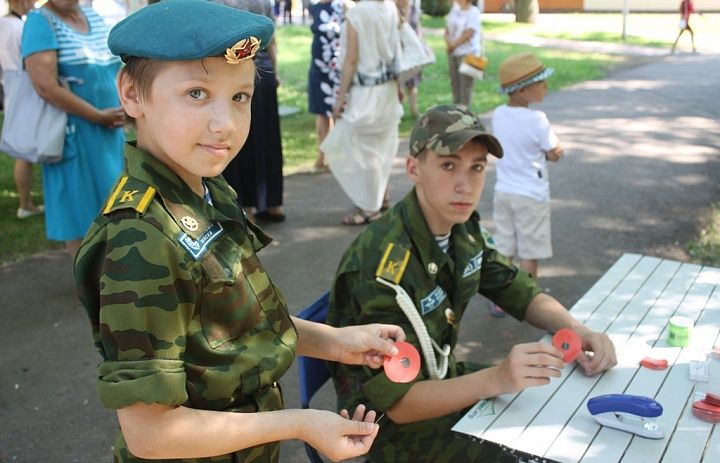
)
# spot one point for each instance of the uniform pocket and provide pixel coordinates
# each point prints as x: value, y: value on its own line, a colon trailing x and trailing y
x: 230, y: 306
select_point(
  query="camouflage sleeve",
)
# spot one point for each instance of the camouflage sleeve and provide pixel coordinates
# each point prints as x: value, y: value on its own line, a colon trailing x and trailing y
x: 505, y: 284
x: 145, y: 303
x: 362, y: 300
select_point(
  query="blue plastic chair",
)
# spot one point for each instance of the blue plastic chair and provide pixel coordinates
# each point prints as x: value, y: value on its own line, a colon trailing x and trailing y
x: 313, y: 372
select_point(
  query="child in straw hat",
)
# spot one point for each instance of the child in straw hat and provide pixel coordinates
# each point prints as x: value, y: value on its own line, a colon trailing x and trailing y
x: 522, y: 189
x: 193, y: 334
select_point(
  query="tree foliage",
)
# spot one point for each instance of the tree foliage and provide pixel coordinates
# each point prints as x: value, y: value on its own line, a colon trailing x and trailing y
x: 436, y: 7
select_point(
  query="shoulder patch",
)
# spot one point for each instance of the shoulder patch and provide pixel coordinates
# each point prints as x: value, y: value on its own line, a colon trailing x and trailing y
x: 129, y: 194
x: 393, y: 264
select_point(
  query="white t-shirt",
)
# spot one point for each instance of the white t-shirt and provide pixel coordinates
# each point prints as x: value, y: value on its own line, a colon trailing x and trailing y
x: 457, y: 21
x: 525, y: 135
x: 10, y: 34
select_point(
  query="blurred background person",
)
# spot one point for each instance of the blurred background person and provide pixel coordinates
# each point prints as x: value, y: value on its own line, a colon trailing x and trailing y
x: 362, y: 145
x: 256, y: 173
x: 462, y: 37
x: 11, y: 26
x: 687, y: 8
x: 411, y: 11
x: 287, y: 11
x: 323, y: 77
x: 74, y: 48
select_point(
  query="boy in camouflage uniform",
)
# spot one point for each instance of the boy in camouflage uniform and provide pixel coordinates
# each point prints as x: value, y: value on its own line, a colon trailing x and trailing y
x: 432, y: 247
x: 193, y: 334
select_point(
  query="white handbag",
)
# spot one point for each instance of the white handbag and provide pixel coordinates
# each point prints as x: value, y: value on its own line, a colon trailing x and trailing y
x: 34, y: 130
x: 413, y: 55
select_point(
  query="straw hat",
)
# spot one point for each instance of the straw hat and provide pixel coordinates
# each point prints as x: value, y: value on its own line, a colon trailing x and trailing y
x: 520, y: 70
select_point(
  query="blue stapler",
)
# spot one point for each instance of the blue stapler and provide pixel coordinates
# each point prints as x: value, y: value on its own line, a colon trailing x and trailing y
x: 631, y: 413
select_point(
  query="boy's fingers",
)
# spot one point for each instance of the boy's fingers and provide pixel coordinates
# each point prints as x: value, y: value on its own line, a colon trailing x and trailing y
x: 360, y: 428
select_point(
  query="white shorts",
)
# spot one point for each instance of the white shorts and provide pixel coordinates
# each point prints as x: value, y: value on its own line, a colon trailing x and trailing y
x: 522, y: 226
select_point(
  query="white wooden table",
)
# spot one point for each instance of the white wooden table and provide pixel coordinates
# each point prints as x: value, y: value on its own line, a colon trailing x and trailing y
x: 632, y: 302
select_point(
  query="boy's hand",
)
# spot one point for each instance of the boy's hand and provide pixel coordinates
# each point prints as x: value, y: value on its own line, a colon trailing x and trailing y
x: 340, y: 437
x: 528, y: 365
x: 601, y: 354
x: 367, y: 344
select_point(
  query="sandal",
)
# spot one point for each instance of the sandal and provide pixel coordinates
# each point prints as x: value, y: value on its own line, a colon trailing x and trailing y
x: 385, y: 204
x: 360, y: 217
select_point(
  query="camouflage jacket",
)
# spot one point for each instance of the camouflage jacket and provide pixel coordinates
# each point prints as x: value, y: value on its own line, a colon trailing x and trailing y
x: 434, y: 281
x: 181, y: 309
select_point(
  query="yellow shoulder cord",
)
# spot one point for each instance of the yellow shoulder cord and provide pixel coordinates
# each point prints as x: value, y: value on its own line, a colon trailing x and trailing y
x: 427, y: 344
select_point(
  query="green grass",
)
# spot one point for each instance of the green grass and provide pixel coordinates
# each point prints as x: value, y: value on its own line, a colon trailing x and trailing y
x: 706, y: 248
x: 24, y: 237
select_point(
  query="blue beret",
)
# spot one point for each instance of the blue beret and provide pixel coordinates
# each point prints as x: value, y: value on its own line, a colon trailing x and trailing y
x: 181, y: 30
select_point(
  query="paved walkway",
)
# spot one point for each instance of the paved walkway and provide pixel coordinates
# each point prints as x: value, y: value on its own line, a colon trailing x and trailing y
x: 641, y: 170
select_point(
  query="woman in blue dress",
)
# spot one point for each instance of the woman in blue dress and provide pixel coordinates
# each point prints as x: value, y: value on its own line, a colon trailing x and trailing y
x: 323, y: 79
x: 66, y: 42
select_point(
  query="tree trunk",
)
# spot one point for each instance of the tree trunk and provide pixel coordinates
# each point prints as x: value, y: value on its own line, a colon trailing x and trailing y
x: 526, y: 11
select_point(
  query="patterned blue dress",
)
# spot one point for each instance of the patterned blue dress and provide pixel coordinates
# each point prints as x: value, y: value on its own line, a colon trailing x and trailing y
x: 324, y: 77
x: 75, y: 188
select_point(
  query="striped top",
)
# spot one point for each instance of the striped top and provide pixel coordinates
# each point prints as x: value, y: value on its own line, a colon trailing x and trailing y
x: 73, y: 47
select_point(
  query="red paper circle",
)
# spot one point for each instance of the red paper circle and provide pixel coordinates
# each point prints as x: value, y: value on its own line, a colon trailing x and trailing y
x: 568, y: 342
x: 405, y: 366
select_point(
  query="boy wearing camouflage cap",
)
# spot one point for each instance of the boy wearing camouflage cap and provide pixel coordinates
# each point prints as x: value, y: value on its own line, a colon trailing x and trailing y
x: 193, y: 334
x: 431, y: 249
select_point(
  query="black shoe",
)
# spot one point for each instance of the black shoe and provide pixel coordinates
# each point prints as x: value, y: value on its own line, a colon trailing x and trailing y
x: 269, y: 217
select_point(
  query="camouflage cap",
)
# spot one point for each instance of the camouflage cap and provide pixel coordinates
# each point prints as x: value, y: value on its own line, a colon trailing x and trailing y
x: 446, y: 128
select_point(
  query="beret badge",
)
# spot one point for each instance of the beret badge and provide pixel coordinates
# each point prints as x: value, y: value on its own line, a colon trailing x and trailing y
x: 244, y: 49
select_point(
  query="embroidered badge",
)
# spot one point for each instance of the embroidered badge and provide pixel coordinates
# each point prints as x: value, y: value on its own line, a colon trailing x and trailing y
x: 197, y: 248
x: 190, y: 223
x: 392, y: 266
x: 432, y: 300
x: 489, y: 241
x: 474, y: 265
x: 244, y: 49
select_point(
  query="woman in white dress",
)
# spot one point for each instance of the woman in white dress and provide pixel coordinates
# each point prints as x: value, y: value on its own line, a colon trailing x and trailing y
x: 361, y: 147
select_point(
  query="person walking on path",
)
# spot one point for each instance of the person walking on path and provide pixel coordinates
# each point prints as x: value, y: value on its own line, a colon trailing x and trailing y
x: 193, y: 334
x: 463, y: 33
x: 323, y: 76
x: 687, y: 8
x: 11, y: 27
x: 362, y: 145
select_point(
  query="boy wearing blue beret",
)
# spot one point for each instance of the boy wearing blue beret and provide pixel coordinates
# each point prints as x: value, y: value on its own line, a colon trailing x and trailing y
x: 193, y: 334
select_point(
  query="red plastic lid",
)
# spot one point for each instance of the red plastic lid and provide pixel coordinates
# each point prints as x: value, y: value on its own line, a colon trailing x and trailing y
x: 568, y: 342
x: 405, y: 366
x: 712, y: 399
x: 654, y: 364
x: 706, y: 411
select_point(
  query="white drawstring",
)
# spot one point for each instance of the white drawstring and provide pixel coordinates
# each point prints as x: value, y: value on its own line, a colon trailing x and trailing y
x: 427, y: 344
